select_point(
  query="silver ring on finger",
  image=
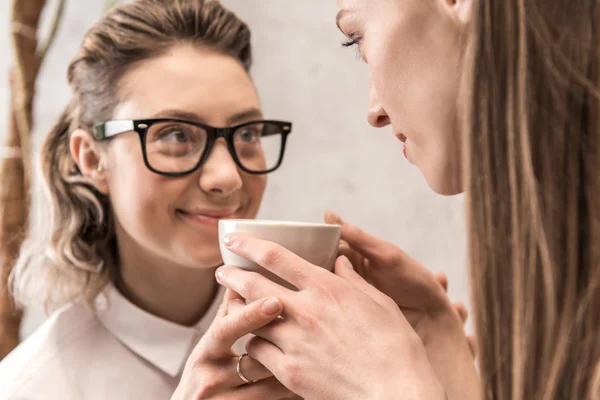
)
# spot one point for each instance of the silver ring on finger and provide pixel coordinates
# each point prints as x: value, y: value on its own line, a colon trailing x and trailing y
x: 239, y: 369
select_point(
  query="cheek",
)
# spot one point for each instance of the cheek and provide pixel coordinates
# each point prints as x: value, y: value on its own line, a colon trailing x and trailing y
x: 394, y: 72
x: 415, y: 71
x: 254, y: 188
x: 139, y: 197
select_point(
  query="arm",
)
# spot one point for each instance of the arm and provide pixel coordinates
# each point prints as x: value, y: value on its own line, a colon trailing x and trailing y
x: 423, y: 301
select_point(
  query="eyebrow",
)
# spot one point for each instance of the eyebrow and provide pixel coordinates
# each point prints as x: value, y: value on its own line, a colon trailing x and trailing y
x: 251, y: 113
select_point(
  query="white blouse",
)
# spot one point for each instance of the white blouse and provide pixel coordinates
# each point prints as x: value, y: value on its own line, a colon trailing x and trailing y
x: 117, y: 351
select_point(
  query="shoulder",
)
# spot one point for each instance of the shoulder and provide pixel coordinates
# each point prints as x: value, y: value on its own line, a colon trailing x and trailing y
x: 45, y: 361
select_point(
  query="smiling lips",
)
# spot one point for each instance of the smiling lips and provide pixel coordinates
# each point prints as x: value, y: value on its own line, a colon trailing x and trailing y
x: 208, y: 217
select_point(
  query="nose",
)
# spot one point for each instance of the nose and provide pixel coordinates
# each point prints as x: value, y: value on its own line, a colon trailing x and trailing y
x: 219, y: 175
x: 376, y: 115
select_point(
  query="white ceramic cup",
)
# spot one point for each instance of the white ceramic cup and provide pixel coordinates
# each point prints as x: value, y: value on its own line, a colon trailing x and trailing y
x: 316, y: 243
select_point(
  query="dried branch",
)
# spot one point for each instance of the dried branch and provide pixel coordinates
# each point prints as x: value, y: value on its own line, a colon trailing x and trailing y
x: 111, y: 3
x: 15, y: 170
x: 23, y: 80
x: 58, y: 16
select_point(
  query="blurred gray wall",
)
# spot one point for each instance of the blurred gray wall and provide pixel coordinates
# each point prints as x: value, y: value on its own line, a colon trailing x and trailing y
x: 335, y: 160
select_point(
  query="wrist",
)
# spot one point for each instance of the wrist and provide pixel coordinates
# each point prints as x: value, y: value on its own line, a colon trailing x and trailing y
x: 415, y: 378
x: 449, y: 353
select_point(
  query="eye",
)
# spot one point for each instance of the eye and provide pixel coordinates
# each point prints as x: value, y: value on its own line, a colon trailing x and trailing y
x: 354, y: 41
x: 250, y: 134
x: 174, y: 135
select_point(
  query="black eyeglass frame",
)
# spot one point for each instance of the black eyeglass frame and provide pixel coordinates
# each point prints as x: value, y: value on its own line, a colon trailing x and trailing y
x: 108, y: 129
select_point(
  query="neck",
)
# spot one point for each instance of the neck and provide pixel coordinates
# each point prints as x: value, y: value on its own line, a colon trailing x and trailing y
x: 171, y: 292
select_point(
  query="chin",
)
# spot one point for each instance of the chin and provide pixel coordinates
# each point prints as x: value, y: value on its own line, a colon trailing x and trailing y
x: 202, y: 257
x: 204, y: 264
x: 446, y: 185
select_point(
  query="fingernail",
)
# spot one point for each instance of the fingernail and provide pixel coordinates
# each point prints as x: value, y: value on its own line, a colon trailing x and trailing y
x: 346, y: 262
x: 219, y: 275
x: 271, y: 306
x: 228, y: 240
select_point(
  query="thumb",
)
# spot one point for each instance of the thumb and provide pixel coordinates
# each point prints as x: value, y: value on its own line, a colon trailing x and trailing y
x: 333, y: 218
x: 368, y: 245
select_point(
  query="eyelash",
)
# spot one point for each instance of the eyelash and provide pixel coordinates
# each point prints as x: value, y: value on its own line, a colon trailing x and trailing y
x: 353, y: 41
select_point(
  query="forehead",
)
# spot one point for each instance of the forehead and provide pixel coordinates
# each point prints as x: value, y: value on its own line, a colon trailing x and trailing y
x: 370, y: 8
x: 200, y: 81
x: 351, y: 5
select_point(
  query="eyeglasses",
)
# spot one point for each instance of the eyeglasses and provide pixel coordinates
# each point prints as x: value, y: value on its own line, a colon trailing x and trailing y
x: 175, y: 147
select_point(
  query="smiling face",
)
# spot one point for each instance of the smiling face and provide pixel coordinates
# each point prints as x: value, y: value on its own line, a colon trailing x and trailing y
x: 413, y: 49
x: 175, y: 219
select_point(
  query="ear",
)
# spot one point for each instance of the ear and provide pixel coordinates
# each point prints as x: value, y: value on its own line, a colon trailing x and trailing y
x: 460, y: 9
x: 88, y: 158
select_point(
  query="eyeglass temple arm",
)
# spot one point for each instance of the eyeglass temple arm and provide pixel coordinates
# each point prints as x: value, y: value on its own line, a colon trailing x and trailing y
x: 112, y: 128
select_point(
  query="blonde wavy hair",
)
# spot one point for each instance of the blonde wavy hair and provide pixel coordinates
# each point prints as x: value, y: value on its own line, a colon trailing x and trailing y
x: 73, y: 254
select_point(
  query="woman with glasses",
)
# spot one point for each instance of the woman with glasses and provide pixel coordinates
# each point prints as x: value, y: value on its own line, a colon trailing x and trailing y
x: 163, y: 137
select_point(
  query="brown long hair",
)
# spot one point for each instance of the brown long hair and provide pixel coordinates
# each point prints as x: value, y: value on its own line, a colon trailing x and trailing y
x: 72, y: 254
x: 533, y: 184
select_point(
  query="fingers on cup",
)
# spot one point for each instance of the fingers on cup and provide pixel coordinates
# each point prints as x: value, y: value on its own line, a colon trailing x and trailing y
x: 274, y: 258
x: 355, y: 257
x: 333, y: 218
x: 250, y: 285
x: 224, y: 333
x: 371, y: 246
x: 366, y: 244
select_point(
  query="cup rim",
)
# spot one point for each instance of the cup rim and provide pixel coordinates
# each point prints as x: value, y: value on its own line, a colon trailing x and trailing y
x: 292, y: 224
